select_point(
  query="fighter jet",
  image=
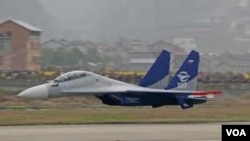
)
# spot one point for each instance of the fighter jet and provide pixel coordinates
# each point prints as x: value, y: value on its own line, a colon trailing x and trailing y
x: 181, y: 90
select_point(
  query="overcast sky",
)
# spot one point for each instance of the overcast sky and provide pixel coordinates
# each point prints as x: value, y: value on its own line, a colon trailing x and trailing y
x: 153, y: 20
x: 114, y: 18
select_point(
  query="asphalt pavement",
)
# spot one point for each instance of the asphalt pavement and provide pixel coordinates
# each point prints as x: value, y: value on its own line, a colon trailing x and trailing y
x: 113, y: 132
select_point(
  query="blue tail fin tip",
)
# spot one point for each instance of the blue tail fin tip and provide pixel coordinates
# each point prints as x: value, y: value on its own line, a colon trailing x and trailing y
x: 187, y: 71
x: 158, y: 71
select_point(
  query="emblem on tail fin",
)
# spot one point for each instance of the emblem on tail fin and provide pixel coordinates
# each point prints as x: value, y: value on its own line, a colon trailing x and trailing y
x: 183, y: 77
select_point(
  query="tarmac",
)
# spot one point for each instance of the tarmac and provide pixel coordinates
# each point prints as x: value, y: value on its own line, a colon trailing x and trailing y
x: 113, y: 132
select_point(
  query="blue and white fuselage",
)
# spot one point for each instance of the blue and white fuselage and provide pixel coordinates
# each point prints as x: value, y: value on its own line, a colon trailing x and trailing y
x: 180, y: 91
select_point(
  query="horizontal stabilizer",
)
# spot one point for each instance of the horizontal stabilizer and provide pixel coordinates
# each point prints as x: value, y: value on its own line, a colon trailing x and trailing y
x: 206, y: 92
x: 185, y: 103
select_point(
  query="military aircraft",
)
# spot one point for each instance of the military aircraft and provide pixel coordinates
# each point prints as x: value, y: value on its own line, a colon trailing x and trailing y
x: 181, y: 90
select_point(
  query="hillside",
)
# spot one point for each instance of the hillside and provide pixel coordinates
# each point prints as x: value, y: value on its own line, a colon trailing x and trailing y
x: 215, y: 25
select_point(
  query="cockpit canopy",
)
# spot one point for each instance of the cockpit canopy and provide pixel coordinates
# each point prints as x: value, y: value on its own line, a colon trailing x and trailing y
x: 70, y: 76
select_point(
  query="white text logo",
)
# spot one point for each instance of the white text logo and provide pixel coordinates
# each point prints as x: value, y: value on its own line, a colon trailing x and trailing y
x: 236, y: 132
x: 183, y: 77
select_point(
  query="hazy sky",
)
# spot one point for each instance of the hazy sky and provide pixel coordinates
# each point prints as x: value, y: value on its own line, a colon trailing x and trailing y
x: 154, y: 20
x: 114, y: 18
x: 71, y: 9
x: 76, y: 16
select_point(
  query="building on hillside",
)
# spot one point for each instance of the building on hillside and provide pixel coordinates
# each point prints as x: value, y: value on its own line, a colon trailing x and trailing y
x: 143, y: 59
x: 20, y: 46
x: 54, y: 44
x: 178, y: 54
x: 226, y: 62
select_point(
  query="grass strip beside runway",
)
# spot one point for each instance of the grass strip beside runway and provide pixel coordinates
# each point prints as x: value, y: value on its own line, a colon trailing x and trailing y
x: 214, y: 112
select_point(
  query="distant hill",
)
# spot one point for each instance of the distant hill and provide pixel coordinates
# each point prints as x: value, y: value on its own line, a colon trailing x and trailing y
x: 222, y: 25
x: 215, y: 25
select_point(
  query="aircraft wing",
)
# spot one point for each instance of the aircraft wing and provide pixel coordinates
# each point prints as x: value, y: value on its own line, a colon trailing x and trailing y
x: 96, y: 91
x: 134, y: 90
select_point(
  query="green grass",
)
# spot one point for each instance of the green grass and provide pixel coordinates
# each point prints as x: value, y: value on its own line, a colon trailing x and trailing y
x: 172, y: 114
x: 85, y: 110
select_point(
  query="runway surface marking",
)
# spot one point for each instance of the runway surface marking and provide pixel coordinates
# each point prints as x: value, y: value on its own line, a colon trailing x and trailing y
x: 114, y: 132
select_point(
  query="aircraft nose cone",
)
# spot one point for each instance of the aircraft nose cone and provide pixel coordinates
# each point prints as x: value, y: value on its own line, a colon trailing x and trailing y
x: 37, y: 92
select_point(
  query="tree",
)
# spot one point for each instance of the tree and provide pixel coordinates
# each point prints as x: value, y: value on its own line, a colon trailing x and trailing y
x: 93, y: 55
x: 61, y: 57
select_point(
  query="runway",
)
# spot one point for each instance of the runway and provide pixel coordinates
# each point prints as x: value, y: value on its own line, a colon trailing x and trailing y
x: 113, y: 132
